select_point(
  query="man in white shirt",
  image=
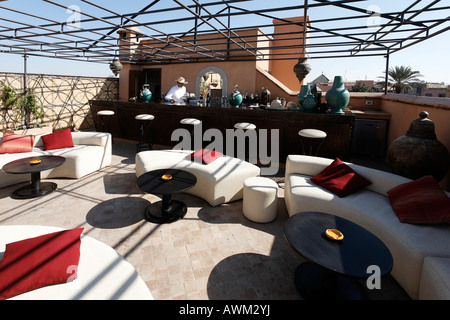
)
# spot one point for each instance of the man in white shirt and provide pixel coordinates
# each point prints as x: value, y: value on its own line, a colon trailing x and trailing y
x: 177, y: 92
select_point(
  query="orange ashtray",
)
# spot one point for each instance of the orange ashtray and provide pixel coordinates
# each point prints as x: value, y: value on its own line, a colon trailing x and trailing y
x: 34, y: 162
x: 166, y: 177
x: 334, y: 234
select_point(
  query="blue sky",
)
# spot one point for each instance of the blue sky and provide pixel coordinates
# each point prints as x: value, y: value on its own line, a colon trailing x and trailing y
x: 430, y: 57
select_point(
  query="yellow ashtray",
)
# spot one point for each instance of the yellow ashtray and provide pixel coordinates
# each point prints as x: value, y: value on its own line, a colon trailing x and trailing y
x: 34, y: 162
x: 334, y: 234
x: 166, y: 177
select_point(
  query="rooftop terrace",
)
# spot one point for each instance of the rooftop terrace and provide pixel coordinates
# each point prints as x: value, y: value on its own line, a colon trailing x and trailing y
x: 213, y: 253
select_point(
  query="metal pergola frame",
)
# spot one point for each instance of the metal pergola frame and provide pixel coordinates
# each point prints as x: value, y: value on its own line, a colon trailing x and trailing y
x: 209, y: 23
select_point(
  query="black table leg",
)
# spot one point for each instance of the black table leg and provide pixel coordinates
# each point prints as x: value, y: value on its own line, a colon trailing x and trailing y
x: 314, y: 282
x: 35, y: 189
x: 165, y: 211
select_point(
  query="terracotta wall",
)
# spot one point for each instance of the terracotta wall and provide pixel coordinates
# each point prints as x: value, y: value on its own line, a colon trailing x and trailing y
x: 405, y: 108
x: 241, y: 73
x: 289, y: 39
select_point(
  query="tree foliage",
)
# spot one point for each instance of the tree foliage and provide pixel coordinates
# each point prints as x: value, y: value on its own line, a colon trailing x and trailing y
x: 401, y: 78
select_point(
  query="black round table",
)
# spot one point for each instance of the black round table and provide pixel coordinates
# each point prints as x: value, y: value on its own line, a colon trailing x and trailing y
x: 166, y: 182
x: 36, y: 188
x: 334, y: 265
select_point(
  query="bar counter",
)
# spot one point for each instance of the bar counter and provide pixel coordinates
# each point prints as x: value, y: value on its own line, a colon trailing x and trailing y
x: 289, y: 122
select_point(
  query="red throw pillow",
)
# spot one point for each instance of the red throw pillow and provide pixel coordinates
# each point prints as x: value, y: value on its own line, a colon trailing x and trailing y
x: 37, y: 262
x: 421, y: 201
x: 58, y: 140
x: 16, y: 143
x: 206, y: 156
x: 340, y: 179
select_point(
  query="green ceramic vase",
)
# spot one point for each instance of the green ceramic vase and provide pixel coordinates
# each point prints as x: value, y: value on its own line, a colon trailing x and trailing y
x: 235, y: 98
x: 309, y: 104
x: 338, y: 97
x: 146, y: 94
x: 304, y: 91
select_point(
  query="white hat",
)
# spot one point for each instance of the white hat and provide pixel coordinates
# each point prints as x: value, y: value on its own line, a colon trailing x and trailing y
x: 182, y: 80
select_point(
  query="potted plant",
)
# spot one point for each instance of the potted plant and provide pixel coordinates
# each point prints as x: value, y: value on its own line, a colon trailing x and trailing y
x: 25, y: 108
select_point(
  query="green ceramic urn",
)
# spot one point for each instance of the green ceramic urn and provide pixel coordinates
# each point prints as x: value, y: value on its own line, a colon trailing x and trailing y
x: 304, y: 91
x: 235, y: 98
x: 338, y: 97
x: 309, y: 104
x: 146, y: 94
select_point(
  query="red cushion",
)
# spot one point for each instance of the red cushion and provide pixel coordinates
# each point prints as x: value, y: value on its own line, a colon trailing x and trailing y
x: 421, y: 201
x: 206, y: 156
x: 36, y: 262
x: 16, y: 143
x: 58, y: 140
x: 340, y: 179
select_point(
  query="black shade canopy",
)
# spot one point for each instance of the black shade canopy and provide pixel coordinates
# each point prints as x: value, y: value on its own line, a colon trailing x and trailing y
x: 88, y: 31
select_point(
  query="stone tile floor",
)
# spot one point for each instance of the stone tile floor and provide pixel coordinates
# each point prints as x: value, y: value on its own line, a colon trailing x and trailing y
x: 213, y: 253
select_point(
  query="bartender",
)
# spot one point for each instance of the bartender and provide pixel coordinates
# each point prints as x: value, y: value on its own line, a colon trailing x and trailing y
x: 177, y: 92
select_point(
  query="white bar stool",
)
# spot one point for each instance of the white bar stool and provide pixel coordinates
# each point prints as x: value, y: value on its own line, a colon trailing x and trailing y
x: 189, y: 124
x: 142, y: 118
x: 106, y: 113
x: 244, y: 126
x: 312, y: 135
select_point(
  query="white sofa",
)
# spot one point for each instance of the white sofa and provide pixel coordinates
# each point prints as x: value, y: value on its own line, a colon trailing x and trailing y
x: 219, y: 182
x: 411, y: 245
x: 91, y: 152
x: 103, y: 274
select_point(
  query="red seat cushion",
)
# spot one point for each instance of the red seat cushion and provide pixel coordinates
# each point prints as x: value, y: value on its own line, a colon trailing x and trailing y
x: 421, y: 201
x: 206, y: 156
x: 58, y: 140
x: 340, y: 179
x: 37, y: 262
x: 16, y: 143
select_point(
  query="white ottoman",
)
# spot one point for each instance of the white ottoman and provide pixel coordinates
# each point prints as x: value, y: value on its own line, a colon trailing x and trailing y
x: 260, y: 199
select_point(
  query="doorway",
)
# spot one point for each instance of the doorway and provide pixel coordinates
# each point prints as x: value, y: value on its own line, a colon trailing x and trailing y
x: 148, y: 76
x: 211, y: 73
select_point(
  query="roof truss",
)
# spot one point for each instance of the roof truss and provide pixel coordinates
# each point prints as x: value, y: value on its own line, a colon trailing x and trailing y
x: 89, y: 31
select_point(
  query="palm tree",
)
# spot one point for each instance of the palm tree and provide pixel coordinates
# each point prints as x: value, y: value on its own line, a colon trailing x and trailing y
x: 401, y: 78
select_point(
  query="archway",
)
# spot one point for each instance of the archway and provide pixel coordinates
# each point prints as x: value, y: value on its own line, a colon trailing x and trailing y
x: 211, y: 69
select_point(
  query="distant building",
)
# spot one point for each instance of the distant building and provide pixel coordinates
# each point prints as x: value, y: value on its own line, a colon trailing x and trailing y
x: 326, y: 84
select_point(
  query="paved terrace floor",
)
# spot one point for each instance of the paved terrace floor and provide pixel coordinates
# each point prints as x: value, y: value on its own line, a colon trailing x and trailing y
x: 213, y: 253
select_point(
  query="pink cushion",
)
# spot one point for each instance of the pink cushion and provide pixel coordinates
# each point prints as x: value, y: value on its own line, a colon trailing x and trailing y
x: 16, y: 143
x: 340, y: 179
x: 206, y: 156
x: 58, y: 140
x: 421, y: 201
x: 36, y: 262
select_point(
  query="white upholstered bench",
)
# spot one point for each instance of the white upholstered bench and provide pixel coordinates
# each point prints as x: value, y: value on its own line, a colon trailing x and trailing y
x: 218, y: 182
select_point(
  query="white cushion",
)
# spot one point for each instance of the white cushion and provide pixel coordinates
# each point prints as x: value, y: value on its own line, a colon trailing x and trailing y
x: 190, y: 121
x: 103, y: 274
x: 312, y: 133
x: 105, y: 113
x: 245, y: 126
x: 219, y: 182
x: 145, y: 117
